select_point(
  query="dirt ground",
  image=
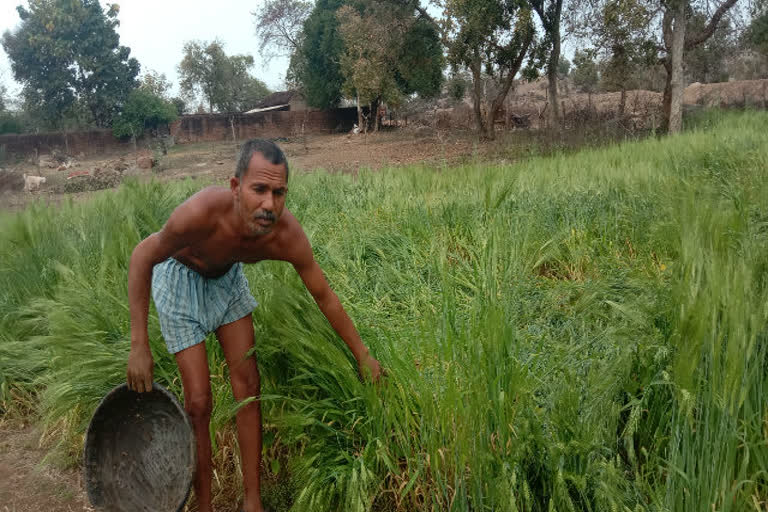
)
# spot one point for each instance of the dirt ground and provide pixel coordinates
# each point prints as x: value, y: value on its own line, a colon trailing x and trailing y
x: 76, y: 177
x: 443, y: 136
x: 27, y: 483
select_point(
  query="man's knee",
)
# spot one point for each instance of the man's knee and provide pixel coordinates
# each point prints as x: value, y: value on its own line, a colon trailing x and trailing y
x: 199, y: 407
x: 246, y: 381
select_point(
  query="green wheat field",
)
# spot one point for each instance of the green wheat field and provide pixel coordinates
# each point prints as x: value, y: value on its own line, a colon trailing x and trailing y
x: 578, y: 332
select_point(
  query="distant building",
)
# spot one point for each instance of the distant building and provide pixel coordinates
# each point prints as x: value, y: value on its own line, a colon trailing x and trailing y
x: 280, y: 101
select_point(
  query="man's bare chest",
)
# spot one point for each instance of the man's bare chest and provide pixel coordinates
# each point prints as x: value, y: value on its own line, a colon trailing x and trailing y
x: 215, y: 255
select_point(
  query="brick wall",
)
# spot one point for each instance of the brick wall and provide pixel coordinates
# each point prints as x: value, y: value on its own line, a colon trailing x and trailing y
x: 194, y: 128
x: 89, y: 142
x: 213, y: 127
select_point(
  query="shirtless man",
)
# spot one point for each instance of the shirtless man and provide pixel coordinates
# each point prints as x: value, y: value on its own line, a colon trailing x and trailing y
x: 194, y: 267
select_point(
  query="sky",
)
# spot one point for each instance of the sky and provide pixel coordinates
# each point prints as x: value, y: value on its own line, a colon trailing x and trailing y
x: 156, y: 30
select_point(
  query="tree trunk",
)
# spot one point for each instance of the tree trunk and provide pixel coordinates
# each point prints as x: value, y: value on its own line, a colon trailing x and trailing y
x: 375, y: 112
x: 477, y: 96
x: 554, y: 60
x: 622, y: 101
x: 676, y: 76
x: 490, y: 121
x: 359, y: 113
x: 667, y: 98
x: 554, y: 113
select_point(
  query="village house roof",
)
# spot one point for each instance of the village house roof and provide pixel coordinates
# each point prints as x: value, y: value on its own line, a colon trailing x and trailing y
x: 275, y: 99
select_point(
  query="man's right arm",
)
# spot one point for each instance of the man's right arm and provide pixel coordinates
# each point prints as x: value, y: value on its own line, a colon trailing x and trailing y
x: 189, y: 223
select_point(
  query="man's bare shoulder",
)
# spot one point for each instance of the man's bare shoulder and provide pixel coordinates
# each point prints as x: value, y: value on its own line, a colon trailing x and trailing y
x: 292, y: 244
x: 201, y: 210
x: 210, y: 199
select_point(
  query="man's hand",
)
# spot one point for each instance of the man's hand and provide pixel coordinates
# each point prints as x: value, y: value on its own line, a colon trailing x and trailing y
x: 140, y: 368
x: 368, y: 367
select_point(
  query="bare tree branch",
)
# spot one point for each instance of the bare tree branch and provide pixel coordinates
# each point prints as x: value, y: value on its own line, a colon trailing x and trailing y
x: 711, y: 26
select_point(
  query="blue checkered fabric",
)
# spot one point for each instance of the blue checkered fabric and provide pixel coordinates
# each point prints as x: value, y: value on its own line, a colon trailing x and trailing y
x: 191, y: 306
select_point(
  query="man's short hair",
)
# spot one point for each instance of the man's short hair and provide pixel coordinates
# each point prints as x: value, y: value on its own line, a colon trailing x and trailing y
x: 268, y: 149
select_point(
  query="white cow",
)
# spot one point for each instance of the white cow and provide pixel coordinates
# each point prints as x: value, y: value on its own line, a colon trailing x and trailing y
x: 33, y: 182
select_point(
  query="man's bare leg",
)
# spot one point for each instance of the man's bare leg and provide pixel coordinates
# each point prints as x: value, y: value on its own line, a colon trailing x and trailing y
x: 236, y: 339
x: 196, y: 379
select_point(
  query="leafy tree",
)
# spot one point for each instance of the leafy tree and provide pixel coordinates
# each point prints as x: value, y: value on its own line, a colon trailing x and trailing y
x: 388, y: 54
x: 143, y: 111
x: 67, y: 55
x: 550, y: 14
x: 757, y: 32
x: 223, y: 80
x: 278, y: 26
x: 707, y: 62
x: 457, y: 86
x: 563, y: 68
x: 644, y: 32
x: 584, y: 74
x: 676, y: 39
x: 180, y: 105
x: 317, y: 63
x: 418, y: 60
x: 9, y: 122
x: 155, y: 83
x: 619, y: 28
x: 491, y: 39
x: 368, y: 59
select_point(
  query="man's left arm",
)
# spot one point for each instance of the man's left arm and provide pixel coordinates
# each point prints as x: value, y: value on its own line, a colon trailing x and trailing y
x: 328, y: 302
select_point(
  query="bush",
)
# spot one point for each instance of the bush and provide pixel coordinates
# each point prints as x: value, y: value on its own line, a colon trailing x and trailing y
x: 10, y: 123
x: 143, y: 111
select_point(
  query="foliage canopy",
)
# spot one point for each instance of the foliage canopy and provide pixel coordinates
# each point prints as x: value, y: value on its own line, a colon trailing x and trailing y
x: 383, y: 51
x: 143, y: 110
x: 223, y: 80
x: 67, y: 55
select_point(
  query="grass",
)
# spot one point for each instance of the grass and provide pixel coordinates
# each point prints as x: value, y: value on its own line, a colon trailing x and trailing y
x: 585, y: 331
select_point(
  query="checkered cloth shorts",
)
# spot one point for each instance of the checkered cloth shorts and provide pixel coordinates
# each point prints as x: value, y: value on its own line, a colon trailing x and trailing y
x: 191, y: 306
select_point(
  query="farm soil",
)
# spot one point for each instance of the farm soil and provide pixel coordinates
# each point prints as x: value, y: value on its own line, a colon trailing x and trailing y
x: 215, y: 162
x: 27, y: 482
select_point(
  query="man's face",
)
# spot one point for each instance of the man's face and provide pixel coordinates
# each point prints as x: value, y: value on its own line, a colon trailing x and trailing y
x: 260, y: 195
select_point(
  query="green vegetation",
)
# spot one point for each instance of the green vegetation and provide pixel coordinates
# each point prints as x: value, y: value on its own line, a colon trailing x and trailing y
x: 224, y: 81
x: 577, y: 332
x: 143, y: 110
x: 67, y: 55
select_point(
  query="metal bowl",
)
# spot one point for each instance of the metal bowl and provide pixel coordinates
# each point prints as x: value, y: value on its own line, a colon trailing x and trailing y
x: 139, y: 452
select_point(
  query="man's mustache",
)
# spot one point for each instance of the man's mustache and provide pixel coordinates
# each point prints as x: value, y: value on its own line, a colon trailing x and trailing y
x: 266, y: 216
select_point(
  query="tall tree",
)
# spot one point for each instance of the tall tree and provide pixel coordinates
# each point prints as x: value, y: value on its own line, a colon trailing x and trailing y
x: 676, y: 40
x: 708, y: 62
x: 663, y: 31
x: 143, y: 111
x: 223, y: 80
x: 550, y: 13
x: 278, y: 26
x: 584, y: 73
x: 67, y: 55
x: 620, y: 31
x: 155, y: 83
x: 317, y: 64
x: 368, y: 58
x: 757, y: 32
x: 387, y: 54
x: 491, y: 39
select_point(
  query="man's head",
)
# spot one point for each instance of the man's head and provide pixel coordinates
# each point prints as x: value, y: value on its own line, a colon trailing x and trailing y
x: 259, y: 185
